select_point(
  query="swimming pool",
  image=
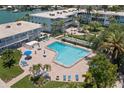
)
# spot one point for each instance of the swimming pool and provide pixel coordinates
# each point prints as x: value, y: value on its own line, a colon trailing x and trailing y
x: 67, y: 55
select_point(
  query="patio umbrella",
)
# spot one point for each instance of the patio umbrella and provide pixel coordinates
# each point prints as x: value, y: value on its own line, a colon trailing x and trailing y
x: 27, y: 52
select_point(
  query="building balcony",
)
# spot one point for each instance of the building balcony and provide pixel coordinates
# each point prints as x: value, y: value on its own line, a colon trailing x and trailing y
x: 11, y: 42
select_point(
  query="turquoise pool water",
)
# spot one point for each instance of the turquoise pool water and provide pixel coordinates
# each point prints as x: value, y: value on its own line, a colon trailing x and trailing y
x: 67, y: 55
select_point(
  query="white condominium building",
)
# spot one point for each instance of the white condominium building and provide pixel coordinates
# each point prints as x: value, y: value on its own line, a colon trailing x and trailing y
x: 103, y: 17
x: 50, y: 17
x: 15, y: 33
x: 68, y: 15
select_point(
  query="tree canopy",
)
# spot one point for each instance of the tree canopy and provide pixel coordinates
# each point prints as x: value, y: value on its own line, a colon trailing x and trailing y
x: 111, y: 42
x: 102, y: 73
x: 95, y: 26
x: 9, y: 57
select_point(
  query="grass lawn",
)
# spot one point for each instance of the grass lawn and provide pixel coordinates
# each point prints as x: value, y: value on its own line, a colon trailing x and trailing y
x: 26, y: 83
x: 54, y: 84
x: 7, y: 74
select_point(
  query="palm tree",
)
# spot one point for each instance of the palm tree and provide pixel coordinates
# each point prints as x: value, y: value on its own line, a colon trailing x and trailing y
x: 78, y: 20
x: 97, y: 16
x: 54, y: 26
x: 94, y: 25
x: 40, y: 81
x: 88, y: 11
x: 89, y: 80
x: 113, y: 46
x: 56, y: 7
x: 8, y: 58
x: 34, y: 69
x: 61, y: 25
x: 99, y: 39
x: 58, y: 27
x: 78, y: 7
x: 45, y: 26
x: 48, y: 67
x: 112, y: 19
x: 105, y: 7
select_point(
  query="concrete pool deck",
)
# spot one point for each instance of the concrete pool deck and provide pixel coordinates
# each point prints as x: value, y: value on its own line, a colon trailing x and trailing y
x: 56, y: 70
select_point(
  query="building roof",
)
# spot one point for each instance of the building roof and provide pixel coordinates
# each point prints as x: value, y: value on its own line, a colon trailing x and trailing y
x: 111, y: 13
x: 106, y: 12
x: 56, y: 14
x: 71, y: 11
x: 13, y: 28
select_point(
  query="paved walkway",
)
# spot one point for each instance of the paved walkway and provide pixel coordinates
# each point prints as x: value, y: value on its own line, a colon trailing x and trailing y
x: 3, y: 84
x: 18, y: 78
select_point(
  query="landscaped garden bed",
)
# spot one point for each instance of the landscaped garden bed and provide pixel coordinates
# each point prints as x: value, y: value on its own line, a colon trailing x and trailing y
x: 76, y: 41
x: 82, y: 37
